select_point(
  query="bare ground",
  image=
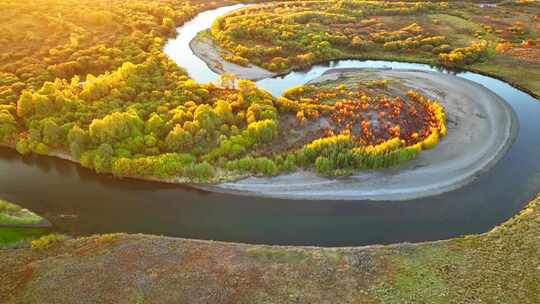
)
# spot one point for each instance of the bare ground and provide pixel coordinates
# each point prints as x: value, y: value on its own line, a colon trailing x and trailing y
x: 204, y: 48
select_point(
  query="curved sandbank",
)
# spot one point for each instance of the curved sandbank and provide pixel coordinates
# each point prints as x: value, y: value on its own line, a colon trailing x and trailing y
x: 481, y: 128
x: 209, y: 52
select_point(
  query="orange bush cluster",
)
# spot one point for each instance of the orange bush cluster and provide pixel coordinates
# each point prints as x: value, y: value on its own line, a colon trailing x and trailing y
x: 369, y: 119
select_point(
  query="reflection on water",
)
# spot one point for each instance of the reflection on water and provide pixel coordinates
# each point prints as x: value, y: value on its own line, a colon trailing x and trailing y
x: 78, y: 201
x: 277, y: 85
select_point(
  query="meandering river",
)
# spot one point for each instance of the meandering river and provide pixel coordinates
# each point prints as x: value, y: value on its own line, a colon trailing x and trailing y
x: 80, y: 202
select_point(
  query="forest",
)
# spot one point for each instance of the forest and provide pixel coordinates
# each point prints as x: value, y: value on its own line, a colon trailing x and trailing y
x: 100, y: 91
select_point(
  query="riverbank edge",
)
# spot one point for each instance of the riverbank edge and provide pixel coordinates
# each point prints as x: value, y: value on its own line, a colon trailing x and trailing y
x: 44, y: 223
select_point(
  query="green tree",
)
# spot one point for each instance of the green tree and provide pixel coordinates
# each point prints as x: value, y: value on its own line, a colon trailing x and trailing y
x: 179, y: 139
x: 52, y: 133
x: 224, y: 111
x: 78, y: 140
x: 116, y: 127
x: 262, y: 131
x: 25, y: 105
x: 155, y: 124
x: 206, y: 117
x: 8, y: 127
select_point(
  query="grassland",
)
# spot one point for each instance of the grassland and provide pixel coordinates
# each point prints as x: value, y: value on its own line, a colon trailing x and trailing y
x: 501, y: 266
x: 18, y: 225
x: 12, y: 215
x: 14, y: 237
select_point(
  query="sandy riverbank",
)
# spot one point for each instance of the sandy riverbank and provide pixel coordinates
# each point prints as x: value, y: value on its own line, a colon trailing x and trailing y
x: 481, y: 128
x: 204, y: 48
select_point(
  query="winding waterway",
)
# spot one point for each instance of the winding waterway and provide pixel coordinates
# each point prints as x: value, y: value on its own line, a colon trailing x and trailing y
x: 81, y: 202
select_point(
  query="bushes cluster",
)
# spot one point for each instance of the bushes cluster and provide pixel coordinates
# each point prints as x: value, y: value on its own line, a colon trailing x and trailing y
x: 466, y: 55
x: 356, y: 150
x: 47, y: 241
x: 340, y: 155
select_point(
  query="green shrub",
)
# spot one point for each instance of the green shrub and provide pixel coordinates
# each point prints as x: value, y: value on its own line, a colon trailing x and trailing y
x: 105, y: 238
x: 47, y: 241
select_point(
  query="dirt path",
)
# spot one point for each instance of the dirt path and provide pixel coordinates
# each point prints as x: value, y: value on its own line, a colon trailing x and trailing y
x: 481, y: 128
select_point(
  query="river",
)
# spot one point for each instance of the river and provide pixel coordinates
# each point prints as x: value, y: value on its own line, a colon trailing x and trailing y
x: 80, y: 202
